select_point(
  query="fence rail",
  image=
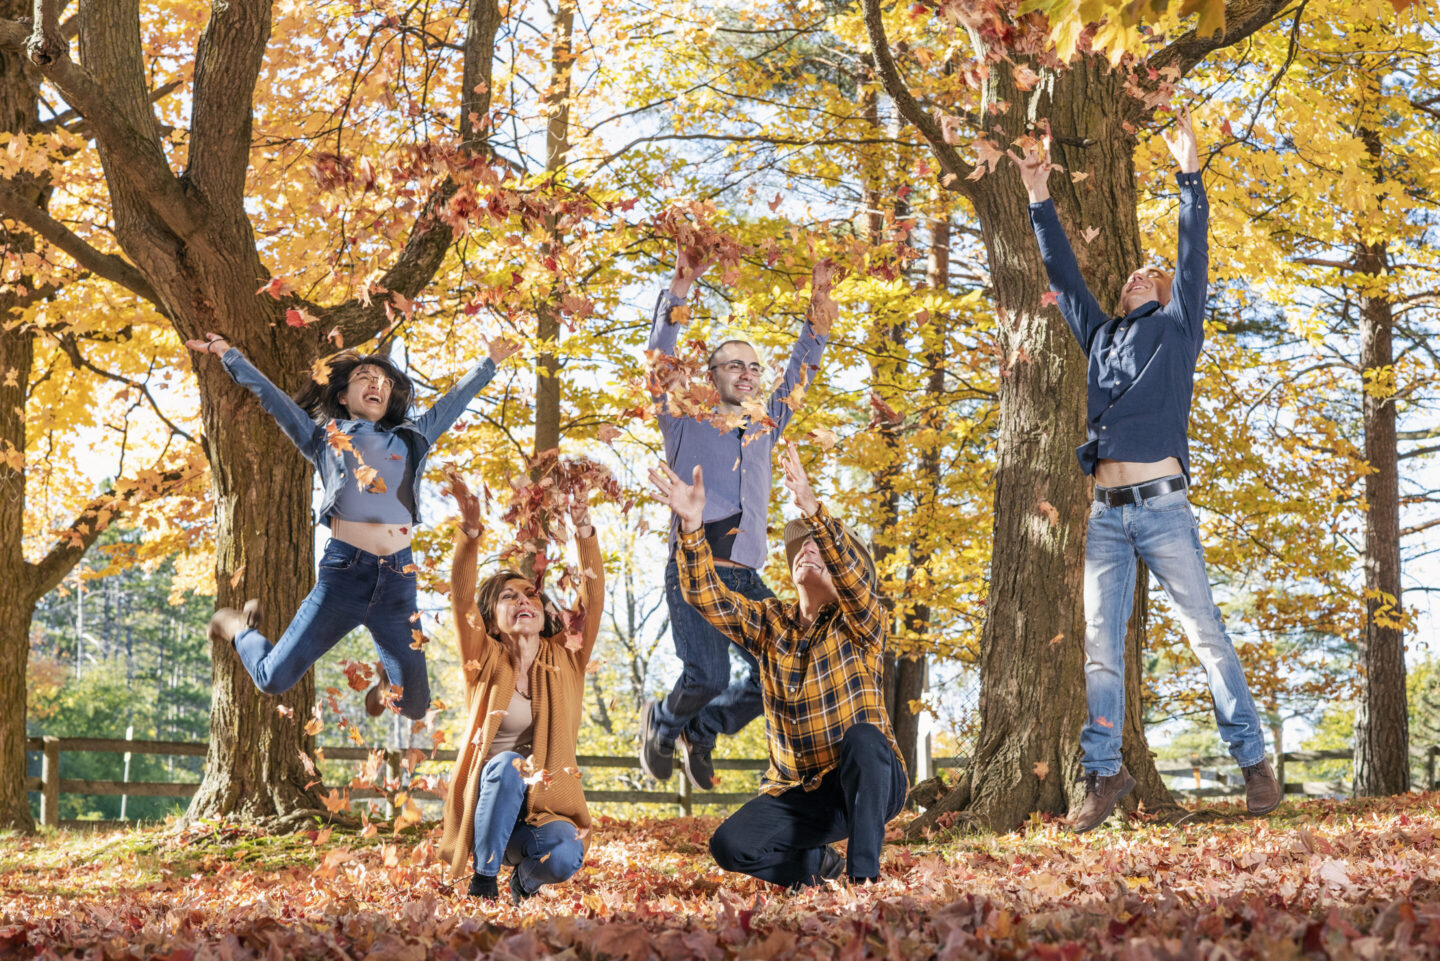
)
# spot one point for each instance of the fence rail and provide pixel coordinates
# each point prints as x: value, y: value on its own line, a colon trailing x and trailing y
x: 50, y: 785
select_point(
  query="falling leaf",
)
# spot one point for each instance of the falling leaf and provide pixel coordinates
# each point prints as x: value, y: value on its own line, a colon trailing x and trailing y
x: 1102, y: 722
x: 1042, y: 769
x: 1049, y: 299
x: 1051, y: 514
x: 1090, y: 233
x: 236, y: 576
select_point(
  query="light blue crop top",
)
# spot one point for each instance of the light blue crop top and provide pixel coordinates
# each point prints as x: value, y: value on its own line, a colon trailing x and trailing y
x: 385, y: 451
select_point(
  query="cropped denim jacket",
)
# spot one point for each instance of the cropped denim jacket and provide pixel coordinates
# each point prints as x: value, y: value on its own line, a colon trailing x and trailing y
x: 308, y: 435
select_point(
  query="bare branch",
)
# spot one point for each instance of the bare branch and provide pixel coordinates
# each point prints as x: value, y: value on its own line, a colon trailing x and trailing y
x: 950, y: 161
x: 46, y: 43
x: 71, y: 346
x: 109, y: 266
x: 227, y: 65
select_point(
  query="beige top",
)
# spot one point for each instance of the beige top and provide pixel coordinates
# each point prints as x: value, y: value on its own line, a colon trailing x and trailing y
x: 557, y: 698
x: 517, y: 728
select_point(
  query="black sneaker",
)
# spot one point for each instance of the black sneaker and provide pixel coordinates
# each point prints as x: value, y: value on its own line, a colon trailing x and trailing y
x: 699, y: 770
x: 832, y: 864
x: 518, y: 894
x: 656, y: 759
x: 484, y: 886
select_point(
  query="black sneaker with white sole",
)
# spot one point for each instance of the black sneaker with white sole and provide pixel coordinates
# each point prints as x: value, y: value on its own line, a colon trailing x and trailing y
x: 699, y: 769
x: 656, y: 760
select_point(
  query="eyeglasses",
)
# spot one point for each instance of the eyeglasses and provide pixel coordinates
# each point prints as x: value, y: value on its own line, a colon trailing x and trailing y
x: 739, y: 367
x: 372, y: 380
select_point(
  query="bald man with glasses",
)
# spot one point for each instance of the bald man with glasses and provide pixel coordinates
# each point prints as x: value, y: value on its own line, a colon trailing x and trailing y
x: 733, y: 449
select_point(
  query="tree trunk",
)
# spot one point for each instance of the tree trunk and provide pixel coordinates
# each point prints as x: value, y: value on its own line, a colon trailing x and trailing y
x: 16, y: 604
x: 1382, y: 729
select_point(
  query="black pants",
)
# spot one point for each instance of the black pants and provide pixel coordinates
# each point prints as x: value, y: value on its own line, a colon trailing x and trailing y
x: 780, y: 838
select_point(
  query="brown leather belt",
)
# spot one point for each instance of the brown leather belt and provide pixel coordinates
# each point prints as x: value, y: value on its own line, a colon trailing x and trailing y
x: 1119, y: 496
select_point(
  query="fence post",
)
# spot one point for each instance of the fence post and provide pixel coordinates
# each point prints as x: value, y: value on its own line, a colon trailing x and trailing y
x: 50, y: 783
x: 1430, y: 753
x: 685, y: 804
x: 392, y: 772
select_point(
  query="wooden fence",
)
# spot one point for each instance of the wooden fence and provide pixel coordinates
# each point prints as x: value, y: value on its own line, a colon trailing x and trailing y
x: 50, y: 784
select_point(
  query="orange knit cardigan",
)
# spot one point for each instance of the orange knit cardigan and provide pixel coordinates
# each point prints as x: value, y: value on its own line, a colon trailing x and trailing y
x: 557, y: 689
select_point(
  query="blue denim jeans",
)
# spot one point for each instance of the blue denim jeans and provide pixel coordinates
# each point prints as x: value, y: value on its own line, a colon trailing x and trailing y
x: 541, y: 855
x: 355, y: 588
x: 781, y: 838
x: 1163, y: 533
x: 704, y: 701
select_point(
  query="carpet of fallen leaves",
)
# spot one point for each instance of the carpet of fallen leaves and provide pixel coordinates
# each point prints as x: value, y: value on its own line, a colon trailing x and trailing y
x: 1317, y: 880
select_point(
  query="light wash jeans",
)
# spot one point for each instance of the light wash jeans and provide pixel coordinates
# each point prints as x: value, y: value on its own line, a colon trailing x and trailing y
x: 547, y: 854
x: 1162, y: 532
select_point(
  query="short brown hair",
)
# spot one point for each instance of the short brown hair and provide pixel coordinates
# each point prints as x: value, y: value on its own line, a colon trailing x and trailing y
x: 487, y: 595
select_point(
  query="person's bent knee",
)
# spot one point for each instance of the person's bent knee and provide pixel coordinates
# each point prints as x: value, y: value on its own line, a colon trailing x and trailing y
x: 273, y: 685
x: 724, y: 851
x: 566, y: 859
x: 865, y: 737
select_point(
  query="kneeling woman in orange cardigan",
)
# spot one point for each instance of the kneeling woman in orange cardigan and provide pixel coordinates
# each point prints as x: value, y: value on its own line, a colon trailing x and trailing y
x: 524, y: 689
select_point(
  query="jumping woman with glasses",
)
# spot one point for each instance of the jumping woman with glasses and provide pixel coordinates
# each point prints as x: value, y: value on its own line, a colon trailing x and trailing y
x: 353, y: 427
x: 734, y: 452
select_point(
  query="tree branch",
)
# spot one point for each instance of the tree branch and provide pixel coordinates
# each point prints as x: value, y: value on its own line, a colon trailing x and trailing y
x: 138, y: 153
x: 227, y: 65
x: 66, y: 552
x: 1242, y: 18
x: 950, y: 160
x: 109, y: 266
x: 46, y: 43
x: 431, y: 236
x: 71, y: 346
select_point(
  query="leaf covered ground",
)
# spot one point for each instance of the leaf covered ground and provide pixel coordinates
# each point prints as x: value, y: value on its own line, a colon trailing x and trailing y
x: 1318, y: 880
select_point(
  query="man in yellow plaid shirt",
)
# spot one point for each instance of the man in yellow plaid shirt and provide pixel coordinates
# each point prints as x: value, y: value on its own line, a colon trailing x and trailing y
x: 835, y: 770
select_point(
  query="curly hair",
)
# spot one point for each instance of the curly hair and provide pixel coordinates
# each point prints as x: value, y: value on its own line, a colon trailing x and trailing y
x: 487, y: 595
x: 322, y: 400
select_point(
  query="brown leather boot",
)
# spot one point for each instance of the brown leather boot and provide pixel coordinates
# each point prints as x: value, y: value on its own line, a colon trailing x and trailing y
x: 1262, y: 790
x: 226, y: 622
x: 1101, y: 796
x: 374, y: 698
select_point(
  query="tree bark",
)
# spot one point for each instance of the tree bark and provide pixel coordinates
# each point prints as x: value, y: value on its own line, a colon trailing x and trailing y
x: 1382, y: 726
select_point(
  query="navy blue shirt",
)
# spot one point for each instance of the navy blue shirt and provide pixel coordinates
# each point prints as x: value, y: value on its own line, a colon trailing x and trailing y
x: 1141, y: 367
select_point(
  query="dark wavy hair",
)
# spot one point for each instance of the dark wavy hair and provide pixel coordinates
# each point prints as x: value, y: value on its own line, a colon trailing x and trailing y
x: 323, y: 400
x: 487, y: 595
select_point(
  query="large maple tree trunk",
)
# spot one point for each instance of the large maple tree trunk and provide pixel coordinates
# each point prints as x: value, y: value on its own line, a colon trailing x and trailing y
x: 1382, y: 727
x: 192, y: 254
x: 16, y: 603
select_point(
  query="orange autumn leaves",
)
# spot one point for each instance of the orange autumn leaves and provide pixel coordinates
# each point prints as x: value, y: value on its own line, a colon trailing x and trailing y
x: 1356, y: 880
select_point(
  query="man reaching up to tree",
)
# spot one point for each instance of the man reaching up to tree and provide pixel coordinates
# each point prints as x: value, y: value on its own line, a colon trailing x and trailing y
x: 733, y: 443
x: 835, y: 770
x: 1140, y: 376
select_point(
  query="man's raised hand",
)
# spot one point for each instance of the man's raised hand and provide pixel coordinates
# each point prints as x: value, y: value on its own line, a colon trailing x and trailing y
x: 686, y: 500
x: 1182, y: 143
x: 823, y: 310
x: 796, y: 482
x: 1035, y: 167
x: 690, y: 263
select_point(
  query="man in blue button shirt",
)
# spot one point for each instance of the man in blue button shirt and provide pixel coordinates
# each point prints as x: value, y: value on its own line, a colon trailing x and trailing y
x: 1140, y: 376
x: 732, y: 444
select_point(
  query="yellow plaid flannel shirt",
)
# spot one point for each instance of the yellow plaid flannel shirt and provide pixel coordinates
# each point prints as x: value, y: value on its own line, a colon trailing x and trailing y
x: 817, y: 679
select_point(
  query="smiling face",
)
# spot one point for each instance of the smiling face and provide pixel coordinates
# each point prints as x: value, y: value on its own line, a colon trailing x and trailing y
x: 518, y: 609
x: 735, y: 371
x: 367, y: 393
x: 1143, y: 286
x: 808, y: 568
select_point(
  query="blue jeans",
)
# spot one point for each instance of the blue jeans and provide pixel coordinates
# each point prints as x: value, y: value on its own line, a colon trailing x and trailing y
x: 354, y: 588
x: 704, y: 701
x: 1162, y: 532
x: 781, y: 838
x: 541, y: 855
